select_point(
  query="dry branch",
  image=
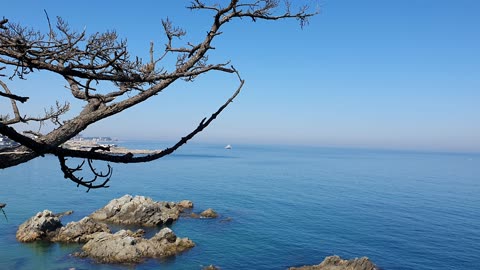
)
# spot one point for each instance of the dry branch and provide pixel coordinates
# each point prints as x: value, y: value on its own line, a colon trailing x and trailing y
x: 85, y: 61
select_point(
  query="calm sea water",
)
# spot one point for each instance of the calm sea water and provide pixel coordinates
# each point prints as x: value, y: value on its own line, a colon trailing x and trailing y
x: 288, y: 206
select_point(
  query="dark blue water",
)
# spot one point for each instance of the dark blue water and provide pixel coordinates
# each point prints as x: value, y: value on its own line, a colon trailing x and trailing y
x: 289, y: 206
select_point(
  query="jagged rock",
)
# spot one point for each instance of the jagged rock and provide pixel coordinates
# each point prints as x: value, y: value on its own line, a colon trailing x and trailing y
x: 165, y: 233
x: 336, y: 263
x: 185, y: 204
x: 80, y: 231
x: 138, y: 210
x: 209, y: 213
x: 48, y: 227
x: 39, y: 227
x: 126, y: 246
x: 101, y: 245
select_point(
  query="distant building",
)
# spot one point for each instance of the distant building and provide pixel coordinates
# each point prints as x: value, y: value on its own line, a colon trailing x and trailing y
x: 6, y: 142
x: 80, y: 137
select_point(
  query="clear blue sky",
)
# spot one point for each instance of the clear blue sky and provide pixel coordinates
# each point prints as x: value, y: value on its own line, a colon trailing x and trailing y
x: 401, y: 74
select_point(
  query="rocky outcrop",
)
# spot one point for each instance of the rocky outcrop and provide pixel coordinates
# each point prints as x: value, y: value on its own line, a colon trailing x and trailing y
x: 209, y: 213
x: 185, y: 204
x: 80, y: 231
x: 123, y: 246
x: 47, y: 226
x: 130, y: 247
x: 42, y: 226
x: 336, y: 263
x: 138, y: 210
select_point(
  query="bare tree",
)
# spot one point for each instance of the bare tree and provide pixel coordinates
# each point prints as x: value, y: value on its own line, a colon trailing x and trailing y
x: 84, y: 61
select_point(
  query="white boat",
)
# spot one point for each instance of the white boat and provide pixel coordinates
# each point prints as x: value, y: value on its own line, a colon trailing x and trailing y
x: 228, y: 146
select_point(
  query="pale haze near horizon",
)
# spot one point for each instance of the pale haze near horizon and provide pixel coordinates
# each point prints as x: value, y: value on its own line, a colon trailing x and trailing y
x: 377, y: 74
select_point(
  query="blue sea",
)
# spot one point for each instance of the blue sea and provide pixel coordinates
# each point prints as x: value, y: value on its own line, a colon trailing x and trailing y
x: 287, y: 206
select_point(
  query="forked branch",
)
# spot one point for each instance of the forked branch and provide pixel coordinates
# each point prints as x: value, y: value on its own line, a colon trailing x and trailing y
x: 88, y: 63
x: 69, y: 173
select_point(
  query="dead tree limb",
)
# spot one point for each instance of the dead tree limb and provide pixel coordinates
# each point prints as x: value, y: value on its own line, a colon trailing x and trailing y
x: 85, y: 62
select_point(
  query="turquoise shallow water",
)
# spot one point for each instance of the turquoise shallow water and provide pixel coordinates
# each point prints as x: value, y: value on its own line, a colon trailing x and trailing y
x: 289, y: 206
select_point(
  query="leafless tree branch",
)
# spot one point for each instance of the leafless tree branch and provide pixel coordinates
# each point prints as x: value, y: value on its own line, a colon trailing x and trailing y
x: 69, y: 173
x: 86, y: 61
x: 11, y: 96
x: 2, y: 205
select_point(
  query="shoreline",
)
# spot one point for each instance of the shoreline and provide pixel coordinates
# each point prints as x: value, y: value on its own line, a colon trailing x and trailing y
x: 89, y: 144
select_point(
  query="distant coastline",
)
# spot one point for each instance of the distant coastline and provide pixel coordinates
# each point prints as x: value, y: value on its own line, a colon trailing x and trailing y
x: 82, y: 143
x: 87, y: 143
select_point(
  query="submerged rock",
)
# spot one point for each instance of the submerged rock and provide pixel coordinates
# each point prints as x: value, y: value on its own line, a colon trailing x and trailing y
x: 225, y: 220
x: 62, y: 214
x: 336, y: 263
x: 211, y: 267
x: 209, y: 213
x: 126, y: 246
x: 42, y: 226
x: 194, y: 215
x: 138, y: 210
x: 80, y: 231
